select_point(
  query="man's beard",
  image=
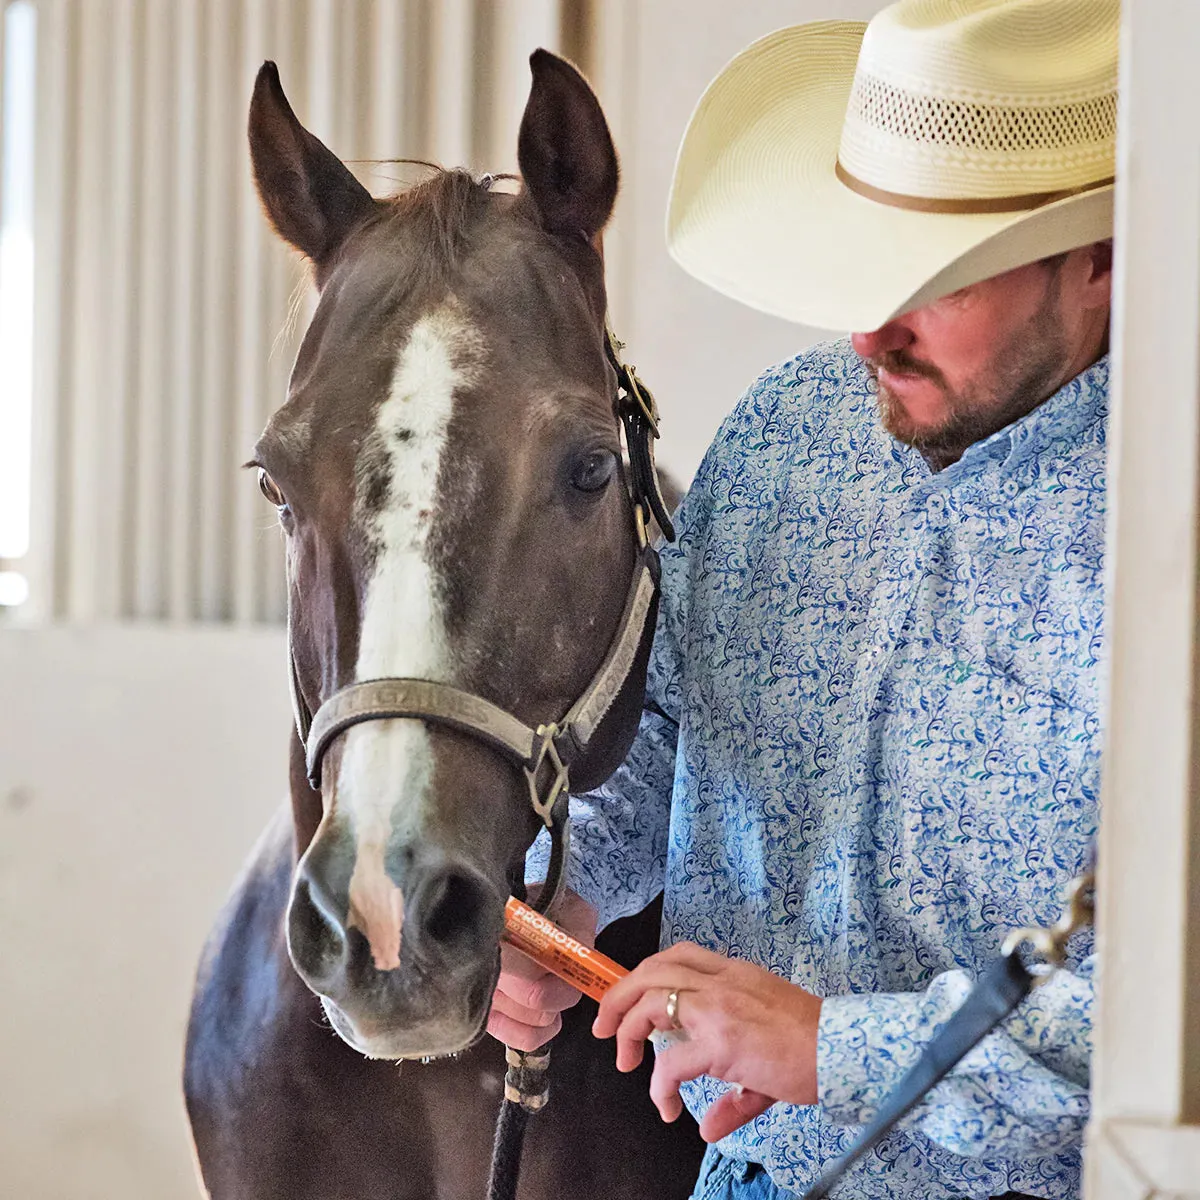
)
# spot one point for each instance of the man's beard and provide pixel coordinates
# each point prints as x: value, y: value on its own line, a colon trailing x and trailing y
x: 1017, y: 377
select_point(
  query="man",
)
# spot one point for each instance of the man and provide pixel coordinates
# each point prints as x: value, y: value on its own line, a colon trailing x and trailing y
x: 871, y: 744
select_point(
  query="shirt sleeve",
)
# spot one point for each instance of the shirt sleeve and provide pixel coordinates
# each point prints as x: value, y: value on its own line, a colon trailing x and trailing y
x: 1022, y: 1091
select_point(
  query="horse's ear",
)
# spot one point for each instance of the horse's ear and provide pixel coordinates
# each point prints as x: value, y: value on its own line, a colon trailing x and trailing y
x: 311, y: 198
x: 565, y: 150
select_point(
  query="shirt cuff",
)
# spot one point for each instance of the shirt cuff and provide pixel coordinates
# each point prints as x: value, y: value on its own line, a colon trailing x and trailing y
x: 863, y: 1043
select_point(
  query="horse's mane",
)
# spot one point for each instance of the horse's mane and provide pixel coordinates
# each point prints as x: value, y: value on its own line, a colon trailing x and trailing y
x: 442, y: 208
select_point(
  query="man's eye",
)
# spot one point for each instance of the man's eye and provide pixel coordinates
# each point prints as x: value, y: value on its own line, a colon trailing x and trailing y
x: 270, y: 489
x: 593, y: 472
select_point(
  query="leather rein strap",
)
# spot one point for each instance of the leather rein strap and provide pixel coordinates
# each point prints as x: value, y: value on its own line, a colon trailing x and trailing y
x: 546, y: 753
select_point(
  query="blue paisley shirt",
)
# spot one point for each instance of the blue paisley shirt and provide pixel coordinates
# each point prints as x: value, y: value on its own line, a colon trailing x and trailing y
x: 871, y: 748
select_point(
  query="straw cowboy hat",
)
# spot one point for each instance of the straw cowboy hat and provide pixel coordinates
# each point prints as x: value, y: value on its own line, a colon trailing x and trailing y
x: 839, y: 174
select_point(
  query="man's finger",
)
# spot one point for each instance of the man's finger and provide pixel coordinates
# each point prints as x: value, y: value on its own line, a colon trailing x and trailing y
x: 649, y: 976
x: 647, y: 1015
x: 682, y: 1061
x: 531, y: 984
x: 517, y: 1034
x: 522, y: 1012
x: 732, y: 1111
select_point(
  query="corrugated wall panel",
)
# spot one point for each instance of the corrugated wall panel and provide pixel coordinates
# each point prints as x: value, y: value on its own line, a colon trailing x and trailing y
x: 186, y: 254
x: 88, y: 493
x: 54, y: 168
x: 152, y: 480
x: 162, y: 300
x: 126, y: 246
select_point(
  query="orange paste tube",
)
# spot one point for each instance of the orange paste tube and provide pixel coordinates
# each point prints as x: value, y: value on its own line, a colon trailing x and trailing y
x: 590, y: 971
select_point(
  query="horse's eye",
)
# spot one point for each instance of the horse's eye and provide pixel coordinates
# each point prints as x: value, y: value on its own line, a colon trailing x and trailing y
x: 270, y: 489
x: 593, y: 472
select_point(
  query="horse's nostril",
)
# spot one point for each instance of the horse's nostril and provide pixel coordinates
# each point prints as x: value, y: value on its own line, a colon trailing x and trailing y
x: 453, y: 907
x: 315, y: 935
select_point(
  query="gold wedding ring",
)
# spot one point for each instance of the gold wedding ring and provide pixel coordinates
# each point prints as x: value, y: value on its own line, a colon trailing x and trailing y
x: 673, y: 1011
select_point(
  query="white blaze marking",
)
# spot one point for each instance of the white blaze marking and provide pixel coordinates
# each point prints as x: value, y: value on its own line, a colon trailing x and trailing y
x: 387, y: 766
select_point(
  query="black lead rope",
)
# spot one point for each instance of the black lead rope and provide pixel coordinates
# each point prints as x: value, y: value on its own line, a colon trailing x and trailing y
x: 989, y: 1003
x: 527, y: 1074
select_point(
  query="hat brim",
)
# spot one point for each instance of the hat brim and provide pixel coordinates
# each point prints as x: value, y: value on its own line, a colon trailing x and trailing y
x: 757, y: 212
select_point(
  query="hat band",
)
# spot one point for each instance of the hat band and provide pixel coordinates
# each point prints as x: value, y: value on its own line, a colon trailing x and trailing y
x: 990, y: 204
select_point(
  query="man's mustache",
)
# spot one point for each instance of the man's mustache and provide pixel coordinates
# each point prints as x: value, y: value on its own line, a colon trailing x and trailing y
x: 898, y: 362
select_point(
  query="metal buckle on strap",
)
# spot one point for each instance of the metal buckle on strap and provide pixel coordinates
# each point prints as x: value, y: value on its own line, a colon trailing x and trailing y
x: 548, y: 749
x: 634, y: 389
x: 1051, y: 944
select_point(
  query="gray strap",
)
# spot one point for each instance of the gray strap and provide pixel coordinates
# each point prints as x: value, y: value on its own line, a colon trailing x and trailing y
x: 381, y: 699
x: 590, y: 709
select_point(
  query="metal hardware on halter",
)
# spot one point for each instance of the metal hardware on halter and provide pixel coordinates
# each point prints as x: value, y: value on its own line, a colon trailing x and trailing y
x: 1051, y: 943
x: 639, y: 521
x: 544, y: 805
x: 639, y: 414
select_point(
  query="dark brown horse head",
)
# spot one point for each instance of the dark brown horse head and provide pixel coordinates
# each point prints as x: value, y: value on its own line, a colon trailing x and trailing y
x: 447, y: 471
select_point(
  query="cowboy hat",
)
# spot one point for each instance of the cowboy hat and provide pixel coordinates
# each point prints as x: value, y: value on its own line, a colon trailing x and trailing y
x: 840, y: 173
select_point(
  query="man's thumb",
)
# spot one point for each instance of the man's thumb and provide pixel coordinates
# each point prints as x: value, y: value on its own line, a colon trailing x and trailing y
x: 732, y: 1111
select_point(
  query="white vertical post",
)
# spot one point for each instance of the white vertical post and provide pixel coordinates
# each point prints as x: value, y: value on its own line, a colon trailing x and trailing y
x: 1145, y: 1134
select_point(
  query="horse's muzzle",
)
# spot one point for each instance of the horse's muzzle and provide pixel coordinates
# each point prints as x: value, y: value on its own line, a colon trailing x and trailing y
x: 405, y: 963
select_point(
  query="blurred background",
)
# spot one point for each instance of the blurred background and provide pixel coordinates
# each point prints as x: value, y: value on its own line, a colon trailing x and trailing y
x: 144, y: 338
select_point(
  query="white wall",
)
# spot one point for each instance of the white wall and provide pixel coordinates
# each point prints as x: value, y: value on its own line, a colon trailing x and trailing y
x: 697, y: 350
x: 137, y: 767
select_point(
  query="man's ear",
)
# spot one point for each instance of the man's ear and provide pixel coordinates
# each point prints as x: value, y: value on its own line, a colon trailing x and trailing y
x: 1096, y: 270
x: 310, y: 197
x: 565, y: 151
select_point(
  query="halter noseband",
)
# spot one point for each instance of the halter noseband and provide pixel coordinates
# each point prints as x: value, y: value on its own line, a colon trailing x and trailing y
x: 547, y: 753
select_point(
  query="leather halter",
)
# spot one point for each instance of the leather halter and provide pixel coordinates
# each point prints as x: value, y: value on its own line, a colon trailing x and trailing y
x: 546, y: 753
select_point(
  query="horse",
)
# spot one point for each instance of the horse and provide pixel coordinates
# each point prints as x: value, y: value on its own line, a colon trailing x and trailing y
x: 447, y: 472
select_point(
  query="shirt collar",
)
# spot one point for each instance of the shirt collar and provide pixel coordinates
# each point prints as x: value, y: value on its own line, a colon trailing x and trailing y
x: 1057, y: 421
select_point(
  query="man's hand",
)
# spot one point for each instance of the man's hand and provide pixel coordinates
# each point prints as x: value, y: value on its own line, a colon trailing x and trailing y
x: 743, y: 1024
x: 529, y: 1000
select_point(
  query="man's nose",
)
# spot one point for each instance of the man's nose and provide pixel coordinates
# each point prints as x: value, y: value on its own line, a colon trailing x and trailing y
x: 895, y: 335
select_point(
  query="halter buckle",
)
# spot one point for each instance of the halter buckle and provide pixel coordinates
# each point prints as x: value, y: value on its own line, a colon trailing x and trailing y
x: 547, y: 749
